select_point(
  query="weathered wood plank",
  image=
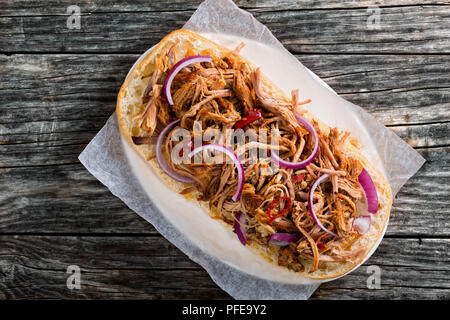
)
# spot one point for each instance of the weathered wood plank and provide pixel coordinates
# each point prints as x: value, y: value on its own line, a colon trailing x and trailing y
x: 354, y: 74
x: 423, y: 136
x: 65, y: 105
x: 52, y: 105
x: 391, y: 293
x: 399, y: 278
x: 424, y: 197
x: 400, y: 30
x: 56, y: 7
x: 405, y: 107
x: 150, y: 267
x: 396, y: 89
x: 67, y: 199
x: 410, y: 29
x: 62, y: 199
x: 330, y: 4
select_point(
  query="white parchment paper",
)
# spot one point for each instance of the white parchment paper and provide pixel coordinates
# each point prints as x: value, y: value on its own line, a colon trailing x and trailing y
x: 223, y: 22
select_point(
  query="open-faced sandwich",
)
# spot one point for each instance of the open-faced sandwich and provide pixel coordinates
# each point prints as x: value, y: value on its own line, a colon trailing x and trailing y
x: 315, y: 205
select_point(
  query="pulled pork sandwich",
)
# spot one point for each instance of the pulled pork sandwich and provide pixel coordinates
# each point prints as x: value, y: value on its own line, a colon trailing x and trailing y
x: 318, y: 212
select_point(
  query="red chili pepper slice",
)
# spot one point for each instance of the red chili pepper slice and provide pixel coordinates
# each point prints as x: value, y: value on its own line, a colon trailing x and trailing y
x: 251, y: 116
x: 320, y: 245
x: 282, y: 212
x: 299, y: 178
x: 187, y: 143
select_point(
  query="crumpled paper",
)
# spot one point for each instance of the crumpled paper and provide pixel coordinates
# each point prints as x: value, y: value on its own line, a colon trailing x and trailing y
x: 105, y: 157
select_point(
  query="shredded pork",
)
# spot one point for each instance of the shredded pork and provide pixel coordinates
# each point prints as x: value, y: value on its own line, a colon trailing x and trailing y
x: 221, y: 94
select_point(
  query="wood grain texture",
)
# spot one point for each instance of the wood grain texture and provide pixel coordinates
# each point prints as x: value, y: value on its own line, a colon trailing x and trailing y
x: 396, y: 89
x: 53, y: 87
x: 48, y: 113
x: 403, y: 29
x: 57, y: 7
x: 58, y: 87
x: 150, y: 267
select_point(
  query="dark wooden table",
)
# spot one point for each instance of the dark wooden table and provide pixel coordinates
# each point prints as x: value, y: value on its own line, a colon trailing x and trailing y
x: 58, y: 87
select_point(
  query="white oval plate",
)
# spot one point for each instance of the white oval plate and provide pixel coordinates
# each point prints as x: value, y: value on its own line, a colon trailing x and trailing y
x: 208, y: 234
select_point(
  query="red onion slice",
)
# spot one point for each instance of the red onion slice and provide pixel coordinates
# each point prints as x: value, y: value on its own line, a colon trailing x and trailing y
x: 230, y: 154
x: 322, y: 178
x: 239, y: 227
x: 369, y: 189
x: 362, y: 224
x: 282, y: 239
x: 160, y: 158
x: 176, y: 68
x: 298, y: 165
